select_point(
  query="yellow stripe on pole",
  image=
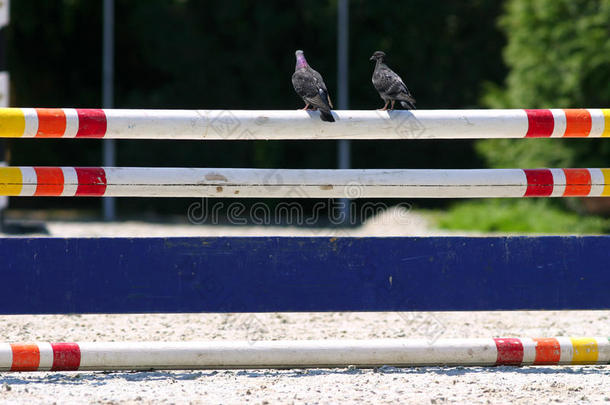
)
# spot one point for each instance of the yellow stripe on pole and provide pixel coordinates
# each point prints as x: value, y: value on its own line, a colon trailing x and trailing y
x: 11, y: 181
x: 12, y: 122
x: 606, y: 112
x: 606, y: 190
x: 585, y: 350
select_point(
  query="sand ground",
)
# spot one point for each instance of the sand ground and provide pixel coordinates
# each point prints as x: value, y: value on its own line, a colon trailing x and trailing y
x: 427, y: 385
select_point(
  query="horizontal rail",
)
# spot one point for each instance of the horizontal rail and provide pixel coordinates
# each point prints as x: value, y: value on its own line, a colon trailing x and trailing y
x: 100, y: 356
x: 275, y: 125
x: 297, y: 183
x: 295, y: 274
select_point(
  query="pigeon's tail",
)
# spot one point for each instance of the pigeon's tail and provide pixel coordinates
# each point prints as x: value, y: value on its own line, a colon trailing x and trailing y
x: 409, y: 105
x: 326, y: 116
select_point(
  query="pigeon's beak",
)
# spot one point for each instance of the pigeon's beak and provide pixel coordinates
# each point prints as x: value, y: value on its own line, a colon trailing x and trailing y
x: 372, y: 58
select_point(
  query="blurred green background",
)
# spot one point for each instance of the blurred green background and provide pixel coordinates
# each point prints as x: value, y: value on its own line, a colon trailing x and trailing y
x: 239, y: 54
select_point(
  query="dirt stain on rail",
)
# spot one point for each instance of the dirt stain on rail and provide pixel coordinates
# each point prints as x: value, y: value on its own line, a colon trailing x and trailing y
x: 215, y: 177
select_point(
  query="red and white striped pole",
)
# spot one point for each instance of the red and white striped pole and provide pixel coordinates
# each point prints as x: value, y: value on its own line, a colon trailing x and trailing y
x: 322, y: 353
x: 301, y: 183
x: 275, y: 125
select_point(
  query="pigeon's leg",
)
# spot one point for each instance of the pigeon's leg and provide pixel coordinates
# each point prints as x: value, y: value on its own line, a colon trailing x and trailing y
x: 306, y: 107
x: 393, y: 101
x: 385, y: 107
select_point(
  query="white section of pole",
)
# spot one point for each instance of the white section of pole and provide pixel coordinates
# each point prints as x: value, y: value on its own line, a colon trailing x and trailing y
x: 287, y: 125
x: 287, y: 183
x: 271, y: 354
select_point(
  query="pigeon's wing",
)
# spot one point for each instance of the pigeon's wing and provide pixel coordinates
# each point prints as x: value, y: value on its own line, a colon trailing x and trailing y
x: 321, y: 85
x: 317, y: 77
x: 309, y: 85
x: 319, y: 100
x: 388, y: 83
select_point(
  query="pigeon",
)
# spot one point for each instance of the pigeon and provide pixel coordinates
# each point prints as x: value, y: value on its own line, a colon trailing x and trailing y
x: 310, y: 86
x: 389, y: 85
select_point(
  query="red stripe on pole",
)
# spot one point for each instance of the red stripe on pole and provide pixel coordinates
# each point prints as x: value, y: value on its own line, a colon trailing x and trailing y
x: 540, y: 123
x: 510, y: 351
x: 539, y: 182
x: 49, y: 181
x: 578, y: 182
x: 91, y: 181
x: 91, y: 123
x: 66, y: 356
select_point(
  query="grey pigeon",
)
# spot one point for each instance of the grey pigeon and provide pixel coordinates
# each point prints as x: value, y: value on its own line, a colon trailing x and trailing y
x: 310, y: 86
x: 389, y: 85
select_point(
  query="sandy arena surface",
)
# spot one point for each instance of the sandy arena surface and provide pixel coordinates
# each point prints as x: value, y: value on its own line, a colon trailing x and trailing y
x: 427, y: 385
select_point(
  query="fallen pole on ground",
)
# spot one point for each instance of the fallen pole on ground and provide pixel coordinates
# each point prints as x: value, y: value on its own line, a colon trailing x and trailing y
x: 99, y: 356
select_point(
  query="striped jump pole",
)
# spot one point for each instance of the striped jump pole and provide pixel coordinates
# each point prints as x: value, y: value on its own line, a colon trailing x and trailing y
x: 297, y: 183
x: 98, y: 356
x: 274, y: 125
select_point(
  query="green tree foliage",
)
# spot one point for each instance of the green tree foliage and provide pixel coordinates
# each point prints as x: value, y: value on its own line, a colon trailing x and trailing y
x: 558, y: 55
x: 517, y: 216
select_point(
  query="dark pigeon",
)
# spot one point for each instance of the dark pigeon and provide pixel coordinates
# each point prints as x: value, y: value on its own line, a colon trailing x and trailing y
x: 390, y: 86
x: 310, y: 86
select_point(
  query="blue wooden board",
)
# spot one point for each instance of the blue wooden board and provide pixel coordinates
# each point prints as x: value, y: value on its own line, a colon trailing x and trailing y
x: 262, y: 274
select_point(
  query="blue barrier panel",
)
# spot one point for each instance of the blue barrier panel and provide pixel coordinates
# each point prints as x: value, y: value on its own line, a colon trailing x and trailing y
x: 261, y: 274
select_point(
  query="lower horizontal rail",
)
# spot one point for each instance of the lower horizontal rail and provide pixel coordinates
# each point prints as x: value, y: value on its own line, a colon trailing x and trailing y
x: 296, y: 183
x: 303, y: 354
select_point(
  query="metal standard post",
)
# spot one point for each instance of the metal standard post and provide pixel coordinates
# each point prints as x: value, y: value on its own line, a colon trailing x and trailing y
x: 109, y: 204
x: 343, y: 151
x: 4, y: 90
